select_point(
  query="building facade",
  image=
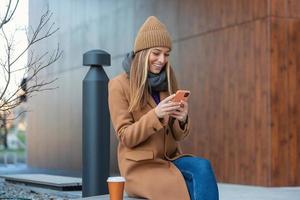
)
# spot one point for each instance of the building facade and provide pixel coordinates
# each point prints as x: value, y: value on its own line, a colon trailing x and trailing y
x: 240, y: 59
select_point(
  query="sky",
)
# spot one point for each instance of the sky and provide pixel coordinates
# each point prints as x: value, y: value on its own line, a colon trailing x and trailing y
x: 15, y: 27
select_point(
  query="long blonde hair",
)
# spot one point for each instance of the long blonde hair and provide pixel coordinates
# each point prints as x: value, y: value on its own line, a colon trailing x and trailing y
x: 139, y: 88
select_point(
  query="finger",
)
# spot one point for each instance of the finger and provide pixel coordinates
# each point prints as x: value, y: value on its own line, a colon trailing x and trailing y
x: 167, y: 105
x: 169, y: 98
x: 170, y: 113
x: 170, y: 103
x: 181, y: 109
x: 175, y: 116
x: 171, y: 108
x: 183, y: 104
x: 176, y: 113
x: 180, y: 118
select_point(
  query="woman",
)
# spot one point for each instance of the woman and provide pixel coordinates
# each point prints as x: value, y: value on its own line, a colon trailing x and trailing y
x: 149, y: 125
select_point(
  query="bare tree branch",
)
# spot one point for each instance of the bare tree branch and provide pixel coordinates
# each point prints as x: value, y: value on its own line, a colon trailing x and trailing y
x: 34, y: 39
x: 31, y: 62
x: 21, y: 113
x: 8, y: 15
x: 8, y: 54
x: 35, y: 64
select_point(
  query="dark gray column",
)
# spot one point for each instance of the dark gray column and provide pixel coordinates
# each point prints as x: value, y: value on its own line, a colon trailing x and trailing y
x: 96, y: 124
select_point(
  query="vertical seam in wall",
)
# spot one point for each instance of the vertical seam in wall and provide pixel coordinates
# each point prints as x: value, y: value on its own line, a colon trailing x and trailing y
x: 286, y: 9
x: 269, y: 8
x: 287, y: 91
x: 269, y: 103
x: 269, y: 97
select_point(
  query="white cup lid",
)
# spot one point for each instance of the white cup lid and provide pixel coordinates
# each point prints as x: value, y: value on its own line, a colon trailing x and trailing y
x: 116, y: 179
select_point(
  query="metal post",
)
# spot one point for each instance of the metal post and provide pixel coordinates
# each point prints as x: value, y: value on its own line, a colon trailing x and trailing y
x: 95, y: 125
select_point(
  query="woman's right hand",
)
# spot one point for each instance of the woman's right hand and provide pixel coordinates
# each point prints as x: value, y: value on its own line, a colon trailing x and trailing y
x: 166, y: 107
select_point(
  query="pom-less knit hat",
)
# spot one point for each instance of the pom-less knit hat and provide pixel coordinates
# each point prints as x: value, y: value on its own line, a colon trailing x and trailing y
x: 152, y: 33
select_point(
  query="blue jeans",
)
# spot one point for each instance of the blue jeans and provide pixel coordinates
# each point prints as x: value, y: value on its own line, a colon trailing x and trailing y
x: 199, y: 177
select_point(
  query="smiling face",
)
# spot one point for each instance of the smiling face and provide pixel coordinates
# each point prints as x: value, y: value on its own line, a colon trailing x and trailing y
x: 158, y: 58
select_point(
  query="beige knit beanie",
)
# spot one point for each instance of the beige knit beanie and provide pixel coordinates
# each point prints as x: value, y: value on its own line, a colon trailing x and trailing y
x: 152, y: 33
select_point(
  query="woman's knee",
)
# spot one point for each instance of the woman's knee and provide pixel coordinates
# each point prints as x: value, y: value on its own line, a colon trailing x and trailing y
x: 195, y: 164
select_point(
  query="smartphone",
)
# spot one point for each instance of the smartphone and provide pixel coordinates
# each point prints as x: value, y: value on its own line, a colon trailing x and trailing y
x: 181, y: 95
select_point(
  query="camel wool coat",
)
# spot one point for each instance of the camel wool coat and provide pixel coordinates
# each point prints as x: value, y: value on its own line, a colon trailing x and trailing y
x: 147, y: 146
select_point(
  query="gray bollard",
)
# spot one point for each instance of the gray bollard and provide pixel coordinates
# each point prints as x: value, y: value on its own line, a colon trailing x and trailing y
x: 95, y: 125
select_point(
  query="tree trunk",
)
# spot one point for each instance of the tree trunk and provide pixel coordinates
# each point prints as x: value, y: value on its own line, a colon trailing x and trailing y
x: 5, y: 133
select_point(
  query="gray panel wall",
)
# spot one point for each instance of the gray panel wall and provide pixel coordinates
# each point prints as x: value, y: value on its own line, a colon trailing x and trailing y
x: 54, y: 139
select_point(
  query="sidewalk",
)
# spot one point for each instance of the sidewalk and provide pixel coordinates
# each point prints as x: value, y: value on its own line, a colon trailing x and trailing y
x: 243, y: 192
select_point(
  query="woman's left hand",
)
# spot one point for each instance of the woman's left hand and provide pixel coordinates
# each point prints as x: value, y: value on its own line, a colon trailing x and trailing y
x: 182, y: 112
